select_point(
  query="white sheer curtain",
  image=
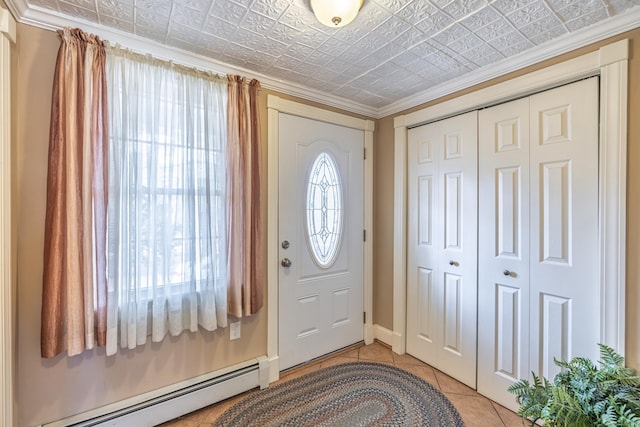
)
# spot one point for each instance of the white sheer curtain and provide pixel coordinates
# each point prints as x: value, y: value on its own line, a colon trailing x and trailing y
x: 166, y: 215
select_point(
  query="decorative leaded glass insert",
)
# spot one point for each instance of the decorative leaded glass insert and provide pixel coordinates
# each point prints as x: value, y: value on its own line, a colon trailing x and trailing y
x: 324, y: 210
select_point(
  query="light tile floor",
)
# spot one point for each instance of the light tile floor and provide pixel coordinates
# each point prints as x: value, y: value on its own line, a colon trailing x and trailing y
x: 475, y: 409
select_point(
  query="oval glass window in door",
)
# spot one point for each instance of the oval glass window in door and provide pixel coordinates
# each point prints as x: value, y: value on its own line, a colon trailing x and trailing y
x: 324, y: 210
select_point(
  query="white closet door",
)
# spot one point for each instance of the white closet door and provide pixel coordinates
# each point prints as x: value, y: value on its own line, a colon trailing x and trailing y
x: 564, y: 217
x: 503, y: 255
x: 442, y: 260
x: 538, y: 266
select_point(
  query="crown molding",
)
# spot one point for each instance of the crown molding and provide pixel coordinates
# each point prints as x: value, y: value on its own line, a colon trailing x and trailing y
x: 52, y: 20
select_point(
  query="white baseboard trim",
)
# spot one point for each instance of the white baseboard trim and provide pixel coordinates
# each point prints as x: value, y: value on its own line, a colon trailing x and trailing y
x: 383, y: 334
x: 170, y: 402
x: 274, y: 368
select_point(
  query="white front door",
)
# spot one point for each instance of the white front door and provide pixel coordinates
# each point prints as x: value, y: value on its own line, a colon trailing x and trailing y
x: 321, y: 247
x: 442, y: 251
x: 538, y: 260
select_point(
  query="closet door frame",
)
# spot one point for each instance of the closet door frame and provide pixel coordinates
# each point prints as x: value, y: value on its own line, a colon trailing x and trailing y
x: 610, y: 62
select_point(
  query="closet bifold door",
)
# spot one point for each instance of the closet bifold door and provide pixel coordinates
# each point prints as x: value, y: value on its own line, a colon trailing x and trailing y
x: 503, y: 249
x: 538, y: 273
x: 442, y: 245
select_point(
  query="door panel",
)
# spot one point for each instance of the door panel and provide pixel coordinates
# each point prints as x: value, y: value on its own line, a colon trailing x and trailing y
x: 321, y: 292
x: 564, y: 190
x: 442, y: 253
x: 503, y: 255
x: 538, y: 175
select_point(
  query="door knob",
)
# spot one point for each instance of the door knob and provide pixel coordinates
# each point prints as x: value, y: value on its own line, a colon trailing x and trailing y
x: 452, y: 262
x: 285, y: 244
x: 286, y: 262
x: 507, y: 273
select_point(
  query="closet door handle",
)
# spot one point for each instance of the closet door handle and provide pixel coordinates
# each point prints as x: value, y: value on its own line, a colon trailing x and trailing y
x: 455, y: 263
x: 508, y: 273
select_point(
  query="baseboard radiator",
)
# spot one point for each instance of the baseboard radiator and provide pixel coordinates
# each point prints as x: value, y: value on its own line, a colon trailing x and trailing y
x: 171, y: 402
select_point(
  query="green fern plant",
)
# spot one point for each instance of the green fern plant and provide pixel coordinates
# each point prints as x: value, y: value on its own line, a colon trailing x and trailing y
x: 583, y: 394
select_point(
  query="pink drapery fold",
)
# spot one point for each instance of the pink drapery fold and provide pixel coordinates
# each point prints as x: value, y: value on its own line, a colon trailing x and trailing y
x: 245, y: 207
x: 73, y: 308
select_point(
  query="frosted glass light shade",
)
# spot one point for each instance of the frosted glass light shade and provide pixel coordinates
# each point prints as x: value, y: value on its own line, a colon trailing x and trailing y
x: 336, y: 13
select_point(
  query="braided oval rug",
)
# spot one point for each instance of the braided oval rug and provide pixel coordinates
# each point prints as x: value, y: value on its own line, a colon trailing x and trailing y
x: 350, y: 394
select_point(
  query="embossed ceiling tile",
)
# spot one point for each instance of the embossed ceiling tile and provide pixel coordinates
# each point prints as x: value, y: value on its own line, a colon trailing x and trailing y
x: 271, y: 8
x: 319, y: 59
x: 85, y: 4
x: 392, y: 28
x: 404, y: 59
x: 261, y: 62
x: 371, y: 15
x: 517, y: 48
x: 228, y: 11
x: 494, y: 30
x: 540, y: 27
x: 298, y: 17
x: 151, y: 8
x: 46, y: 4
x: 619, y: 6
x: 156, y: 33
x: 122, y: 12
x: 410, y: 38
x: 393, y: 6
x: 576, y: 10
x: 417, y: 11
x: 272, y: 47
x: 369, y: 61
x: 529, y: 14
x: 586, y: 20
x: 255, y: 22
x: 180, y: 44
x: 299, y: 51
x: 460, y: 9
x: 482, y: 56
x: 219, y: 28
x: 79, y: 12
x: 339, y: 65
x: 423, y: 49
x: 351, y: 33
x: 237, y: 51
x: 187, y: 17
x: 368, y: 44
x: 119, y: 24
x: 540, y: 38
x: 333, y: 46
x: 418, y: 67
x: 248, y: 39
x: 283, y: 33
x: 437, y: 22
x: 288, y: 62
x: 306, y: 68
x: 559, y: 4
x: 508, y: 6
x: 202, y: 6
x: 386, y: 52
x: 311, y: 37
x: 504, y: 42
x: 183, y: 33
x: 466, y: 42
x: 481, y: 18
x: 213, y: 43
x: 451, y: 34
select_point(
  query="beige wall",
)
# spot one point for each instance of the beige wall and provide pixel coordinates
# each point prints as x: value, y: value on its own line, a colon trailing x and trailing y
x: 383, y: 187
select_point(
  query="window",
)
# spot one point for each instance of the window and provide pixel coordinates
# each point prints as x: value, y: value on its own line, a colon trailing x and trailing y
x: 324, y: 210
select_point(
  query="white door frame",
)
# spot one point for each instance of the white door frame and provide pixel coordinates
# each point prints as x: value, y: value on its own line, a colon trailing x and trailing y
x: 610, y: 62
x: 275, y: 106
x: 7, y: 337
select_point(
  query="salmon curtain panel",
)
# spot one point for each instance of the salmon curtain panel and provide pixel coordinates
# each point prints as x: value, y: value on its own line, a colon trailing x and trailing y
x: 74, y: 277
x: 245, y: 216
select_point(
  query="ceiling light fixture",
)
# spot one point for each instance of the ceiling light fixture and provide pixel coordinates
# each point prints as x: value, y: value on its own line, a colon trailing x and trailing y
x: 336, y: 13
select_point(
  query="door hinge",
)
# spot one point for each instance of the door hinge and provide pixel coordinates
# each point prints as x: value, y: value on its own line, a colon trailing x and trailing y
x: 364, y: 235
x: 364, y: 317
x: 365, y: 153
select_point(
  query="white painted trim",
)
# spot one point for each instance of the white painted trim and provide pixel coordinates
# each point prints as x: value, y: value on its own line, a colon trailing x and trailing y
x: 7, y: 336
x: 52, y: 20
x: 275, y: 106
x: 400, y: 233
x: 383, y: 335
x: 610, y: 62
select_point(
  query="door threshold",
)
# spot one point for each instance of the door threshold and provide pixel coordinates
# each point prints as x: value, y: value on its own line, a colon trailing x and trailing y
x: 324, y: 357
